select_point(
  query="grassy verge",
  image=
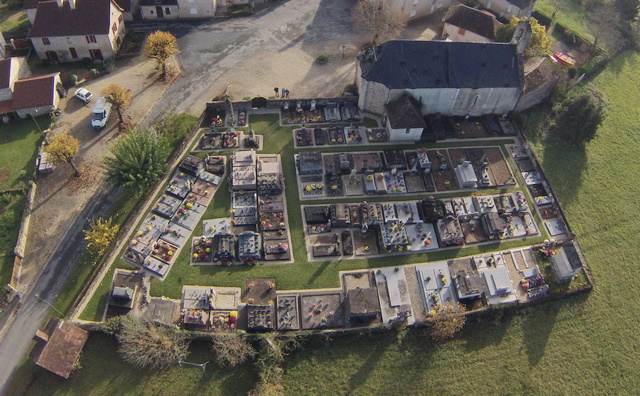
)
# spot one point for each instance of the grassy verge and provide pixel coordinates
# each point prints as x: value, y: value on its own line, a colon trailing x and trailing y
x: 19, y: 142
x: 103, y: 372
x: 11, y: 208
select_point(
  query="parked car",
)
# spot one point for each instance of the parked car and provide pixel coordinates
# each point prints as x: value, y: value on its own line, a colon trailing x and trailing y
x: 100, y: 114
x: 83, y: 94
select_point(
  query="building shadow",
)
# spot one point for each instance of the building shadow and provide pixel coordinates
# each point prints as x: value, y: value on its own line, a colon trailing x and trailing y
x: 569, y: 164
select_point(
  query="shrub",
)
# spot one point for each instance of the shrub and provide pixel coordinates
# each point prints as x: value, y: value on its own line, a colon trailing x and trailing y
x: 595, y: 64
x: 572, y: 71
x: 74, y: 80
x: 542, y: 19
x: 322, y: 59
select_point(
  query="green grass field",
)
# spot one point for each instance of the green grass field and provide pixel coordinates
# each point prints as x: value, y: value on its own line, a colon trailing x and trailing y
x: 11, y: 207
x: 19, y: 142
x: 568, y: 13
x: 13, y: 18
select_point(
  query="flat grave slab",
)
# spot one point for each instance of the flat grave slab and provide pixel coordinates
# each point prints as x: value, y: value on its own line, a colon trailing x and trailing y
x: 203, y: 200
x: 407, y: 212
x: 195, y: 207
x: 154, y: 223
x: 167, y: 206
x: 321, y: 311
x: 156, y: 266
x: 201, y: 186
x: 396, y: 285
x: 260, y: 291
x: 244, y: 211
x: 395, y: 183
x: 209, y: 177
x: 245, y: 199
x: 287, y: 313
x: 473, y: 232
x: 165, y: 251
x: 216, y: 226
x: 422, y: 237
x: 244, y: 220
x: 532, y: 178
x: 276, y: 249
x: 353, y: 186
x: 186, y: 218
x: 389, y: 210
x: 180, y: 184
x: 555, y: 227
x: 271, y: 203
x: 141, y: 245
x: 176, y: 234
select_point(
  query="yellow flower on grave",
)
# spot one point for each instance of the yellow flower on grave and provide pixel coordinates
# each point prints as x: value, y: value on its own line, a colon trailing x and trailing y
x: 208, y: 250
x: 195, y: 255
x: 170, y: 253
x: 149, y: 228
x: 206, y: 192
x: 189, y: 205
x: 212, y: 228
x: 140, y: 233
x: 181, y: 174
x: 133, y: 242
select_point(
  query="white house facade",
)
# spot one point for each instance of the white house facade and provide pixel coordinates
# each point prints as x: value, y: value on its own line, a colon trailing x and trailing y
x: 507, y: 9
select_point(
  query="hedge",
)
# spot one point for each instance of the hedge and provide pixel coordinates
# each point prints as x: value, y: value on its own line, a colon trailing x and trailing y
x: 542, y: 18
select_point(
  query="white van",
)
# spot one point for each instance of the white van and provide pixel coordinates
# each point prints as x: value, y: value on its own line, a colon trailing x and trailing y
x: 100, y: 114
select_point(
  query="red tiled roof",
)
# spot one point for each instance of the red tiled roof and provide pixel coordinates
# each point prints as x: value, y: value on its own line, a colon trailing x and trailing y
x: 90, y: 17
x: 5, y: 73
x: 33, y: 92
x: 63, y: 348
x: 476, y: 21
x: 124, y: 4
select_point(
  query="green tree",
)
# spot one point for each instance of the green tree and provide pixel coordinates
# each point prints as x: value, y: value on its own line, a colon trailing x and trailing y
x: 119, y: 98
x: 160, y: 46
x: 145, y: 344
x: 539, y: 44
x: 378, y: 19
x: 101, y: 234
x: 63, y: 149
x: 579, y: 116
x: 137, y: 160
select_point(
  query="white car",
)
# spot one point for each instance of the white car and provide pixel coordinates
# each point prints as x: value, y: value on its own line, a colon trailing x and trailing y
x: 83, y: 94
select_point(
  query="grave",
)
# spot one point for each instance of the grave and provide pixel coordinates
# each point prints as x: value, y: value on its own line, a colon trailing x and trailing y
x: 176, y: 234
x: 215, y: 226
x: 180, y: 185
x: 319, y: 311
x: 555, y: 227
x: 365, y: 245
x: 186, y: 218
x: 422, y: 237
x: 287, y: 313
x: 201, y: 251
x: 165, y: 251
x: 167, y: 206
x: 156, y: 266
x: 191, y: 165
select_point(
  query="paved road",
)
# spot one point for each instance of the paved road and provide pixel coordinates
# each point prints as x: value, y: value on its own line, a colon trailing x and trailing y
x: 210, y: 51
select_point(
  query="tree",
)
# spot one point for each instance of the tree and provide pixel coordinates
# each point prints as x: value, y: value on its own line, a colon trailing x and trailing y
x: 605, y: 28
x: 145, y: 344
x: 160, y: 46
x: 232, y: 349
x: 63, y: 149
x: 628, y: 9
x: 446, y: 322
x: 101, y: 235
x: 579, y: 116
x: 137, y: 160
x: 539, y: 44
x: 118, y: 97
x: 378, y: 19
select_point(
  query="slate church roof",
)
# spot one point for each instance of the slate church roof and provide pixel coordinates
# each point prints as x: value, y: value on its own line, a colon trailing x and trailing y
x: 403, y: 64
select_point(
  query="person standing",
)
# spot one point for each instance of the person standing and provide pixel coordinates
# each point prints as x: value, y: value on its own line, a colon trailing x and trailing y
x: 276, y: 91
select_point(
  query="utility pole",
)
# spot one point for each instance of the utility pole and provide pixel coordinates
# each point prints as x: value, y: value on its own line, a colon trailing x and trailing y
x: 37, y: 296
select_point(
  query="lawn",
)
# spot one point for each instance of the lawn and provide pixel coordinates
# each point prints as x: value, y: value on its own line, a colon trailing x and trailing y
x: 13, y: 18
x: 569, y: 14
x: 104, y: 373
x: 19, y: 142
x: 11, y: 207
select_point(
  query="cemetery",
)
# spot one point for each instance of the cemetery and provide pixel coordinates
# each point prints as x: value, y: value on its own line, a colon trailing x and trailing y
x: 348, y: 227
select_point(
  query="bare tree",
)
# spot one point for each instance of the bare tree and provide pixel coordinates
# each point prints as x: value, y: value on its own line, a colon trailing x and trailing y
x: 145, y: 344
x: 446, y: 322
x: 605, y: 27
x: 232, y: 349
x: 378, y: 19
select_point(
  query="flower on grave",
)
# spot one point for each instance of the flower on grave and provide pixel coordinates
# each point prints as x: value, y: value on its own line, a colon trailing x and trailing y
x: 170, y: 253
x: 149, y: 261
x: 195, y: 255
x: 188, y: 205
x: 149, y: 228
x: 206, y: 192
x: 212, y: 228
x: 133, y: 242
x: 140, y: 233
x: 167, y: 229
x: 203, y: 256
x: 181, y: 174
x: 208, y: 250
x: 182, y: 210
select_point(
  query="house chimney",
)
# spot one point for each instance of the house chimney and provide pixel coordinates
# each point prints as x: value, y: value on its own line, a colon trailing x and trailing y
x: 72, y: 4
x: 60, y: 3
x: 521, y: 36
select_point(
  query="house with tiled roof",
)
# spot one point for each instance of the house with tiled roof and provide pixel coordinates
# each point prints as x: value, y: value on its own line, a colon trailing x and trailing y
x: 36, y: 95
x: 58, y: 346
x: 11, y: 70
x: 448, y: 78
x: 71, y: 30
x: 464, y: 23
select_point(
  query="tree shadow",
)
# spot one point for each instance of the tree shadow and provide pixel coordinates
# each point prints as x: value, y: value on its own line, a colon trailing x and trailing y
x: 360, y: 377
x: 564, y: 165
x: 487, y: 329
x: 318, y: 272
